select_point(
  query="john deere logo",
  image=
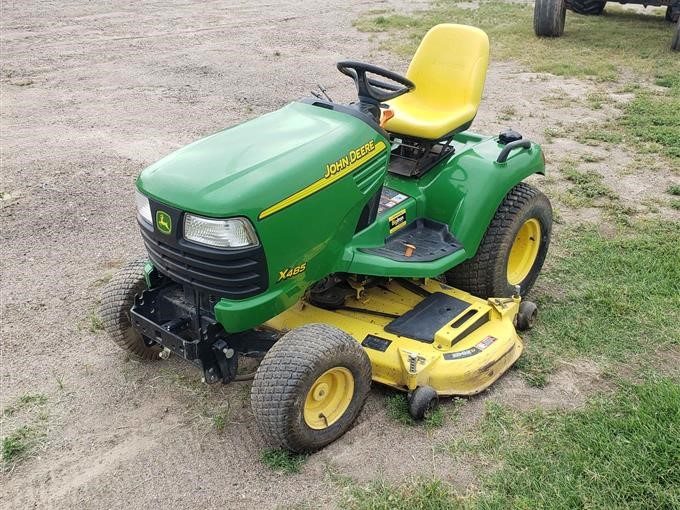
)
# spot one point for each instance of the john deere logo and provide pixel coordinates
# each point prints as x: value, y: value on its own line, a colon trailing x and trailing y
x: 163, y: 222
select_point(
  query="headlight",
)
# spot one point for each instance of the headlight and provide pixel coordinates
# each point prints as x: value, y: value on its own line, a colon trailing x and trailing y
x: 143, y: 207
x: 231, y: 233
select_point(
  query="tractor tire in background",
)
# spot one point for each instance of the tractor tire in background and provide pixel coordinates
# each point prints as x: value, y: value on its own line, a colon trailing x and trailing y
x: 513, y: 248
x: 117, y: 299
x: 587, y: 7
x: 310, y: 387
x: 549, y: 16
x: 675, y: 42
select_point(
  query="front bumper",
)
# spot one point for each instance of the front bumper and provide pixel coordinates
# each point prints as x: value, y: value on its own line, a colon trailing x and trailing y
x: 178, y: 319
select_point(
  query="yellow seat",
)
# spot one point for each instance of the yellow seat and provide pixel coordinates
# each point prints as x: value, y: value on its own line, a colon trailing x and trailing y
x: 448, y: 69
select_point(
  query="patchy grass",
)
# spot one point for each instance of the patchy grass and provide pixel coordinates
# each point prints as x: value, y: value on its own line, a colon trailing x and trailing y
x: 95, y: 322
x: 587, y: 186
x: 27, y: 421
x: 220, y: 417
x: 397, y: 410
x: 673, y: 190
x: 419, y: 494
x: 24, y: 401
x: 507, y: 113
x: 596, y: 135
x: 18, y: 444
x: 617, y: 452
x: 593, y: 47
x: 592, y: 158
x: 578, y: 53
x: 283, y: 461
x: 535, y: 366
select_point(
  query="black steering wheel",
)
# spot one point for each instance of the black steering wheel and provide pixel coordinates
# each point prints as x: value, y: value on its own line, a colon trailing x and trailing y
x: 375, y: 90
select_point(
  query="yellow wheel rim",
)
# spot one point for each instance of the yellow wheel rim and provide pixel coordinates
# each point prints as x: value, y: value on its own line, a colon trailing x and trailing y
x: 328, y: 398
x: 524, y: 251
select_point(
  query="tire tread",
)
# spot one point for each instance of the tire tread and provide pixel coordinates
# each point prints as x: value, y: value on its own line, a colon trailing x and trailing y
x: 280, y: 377
x: 473, y: 275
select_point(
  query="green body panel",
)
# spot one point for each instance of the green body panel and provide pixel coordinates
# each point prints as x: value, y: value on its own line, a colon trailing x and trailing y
x: 247, y: 169
x: 463, y: 192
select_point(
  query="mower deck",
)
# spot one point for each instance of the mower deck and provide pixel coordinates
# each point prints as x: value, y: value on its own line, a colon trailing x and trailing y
x: 426, y: 334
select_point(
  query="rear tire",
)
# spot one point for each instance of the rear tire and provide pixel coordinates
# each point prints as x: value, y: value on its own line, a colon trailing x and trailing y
x: 487, y: 273
x: 310, y: 387
x: 117, y: 299
x: 549, y: 16
x: 586, y: 7
x: 675, y: 42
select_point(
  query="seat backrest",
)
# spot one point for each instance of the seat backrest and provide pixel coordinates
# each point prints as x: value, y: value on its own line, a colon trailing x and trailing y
x: 449, y: 66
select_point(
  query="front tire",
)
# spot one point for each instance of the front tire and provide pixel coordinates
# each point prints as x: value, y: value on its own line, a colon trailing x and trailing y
x: 513, y: 249
x: 549, y: 16
x: 310, y: 387
x: 117, y: 299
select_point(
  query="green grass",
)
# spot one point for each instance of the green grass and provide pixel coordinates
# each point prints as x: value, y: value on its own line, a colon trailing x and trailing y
x: 615, y: 453
x: 619, y: 451
x: 594, y: 47
x: 283, y: 461
x: 607, y: 297
x: 673, y: 190
x: 653, y: 119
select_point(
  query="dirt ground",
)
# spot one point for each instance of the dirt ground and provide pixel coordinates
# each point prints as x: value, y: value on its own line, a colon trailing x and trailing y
x: 92, y: 92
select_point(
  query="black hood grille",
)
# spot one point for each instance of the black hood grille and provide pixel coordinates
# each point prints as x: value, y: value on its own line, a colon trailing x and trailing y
x: 231, y: 274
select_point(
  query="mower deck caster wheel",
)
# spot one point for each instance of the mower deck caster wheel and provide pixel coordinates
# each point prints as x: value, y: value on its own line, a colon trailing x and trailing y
x: 526, y: 317
x: 422, y: 402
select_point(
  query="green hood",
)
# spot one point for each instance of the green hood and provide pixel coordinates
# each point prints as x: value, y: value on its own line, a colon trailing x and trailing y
x: 245, y: 169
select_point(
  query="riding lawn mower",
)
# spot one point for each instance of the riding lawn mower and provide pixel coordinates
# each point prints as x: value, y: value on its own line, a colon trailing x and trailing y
x: 343, y: 244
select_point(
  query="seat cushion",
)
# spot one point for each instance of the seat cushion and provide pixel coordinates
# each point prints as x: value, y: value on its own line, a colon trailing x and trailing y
x: 414, y: 119
x: 448, y: 69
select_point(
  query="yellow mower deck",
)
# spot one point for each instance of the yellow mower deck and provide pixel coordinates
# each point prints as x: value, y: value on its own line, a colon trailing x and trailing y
x: 465, y: 344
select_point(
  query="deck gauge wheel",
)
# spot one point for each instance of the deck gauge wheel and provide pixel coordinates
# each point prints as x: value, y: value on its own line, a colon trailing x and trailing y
x: 526, y: 317
x: 422, y: 402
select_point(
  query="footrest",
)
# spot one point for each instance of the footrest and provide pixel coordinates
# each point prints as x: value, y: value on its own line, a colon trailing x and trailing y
x: 432, y: 241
